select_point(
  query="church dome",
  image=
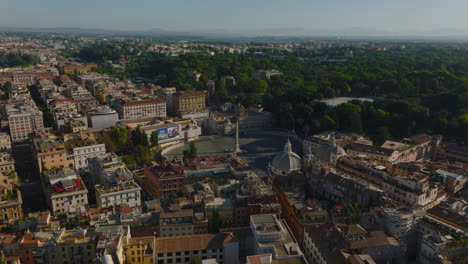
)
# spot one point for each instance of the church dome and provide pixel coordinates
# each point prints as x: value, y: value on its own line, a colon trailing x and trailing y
x: 287, y: 160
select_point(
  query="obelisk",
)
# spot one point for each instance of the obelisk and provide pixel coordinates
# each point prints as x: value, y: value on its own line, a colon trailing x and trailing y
x: 237, y: 150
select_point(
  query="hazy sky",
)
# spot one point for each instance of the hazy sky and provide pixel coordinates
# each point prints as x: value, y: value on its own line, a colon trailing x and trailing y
x: 237, y: 15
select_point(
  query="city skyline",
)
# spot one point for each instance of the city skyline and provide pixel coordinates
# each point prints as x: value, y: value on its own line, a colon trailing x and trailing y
x: 260, y: 17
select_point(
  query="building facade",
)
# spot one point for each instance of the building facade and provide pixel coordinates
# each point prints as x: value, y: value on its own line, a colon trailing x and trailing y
x: 82, y: 154
x: 50, y: 153
x: 24, y: 120
x: 189, y: 101
x: 125, y: 193
x: 141, y: 108
x: 182, y: 249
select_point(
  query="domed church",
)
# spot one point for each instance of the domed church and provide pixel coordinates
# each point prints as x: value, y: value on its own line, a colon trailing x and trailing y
x: 285, y: 165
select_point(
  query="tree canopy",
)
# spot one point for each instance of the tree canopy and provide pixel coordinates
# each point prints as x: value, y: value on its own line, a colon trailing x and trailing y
x: 15, y: 60
x: 418, y: 88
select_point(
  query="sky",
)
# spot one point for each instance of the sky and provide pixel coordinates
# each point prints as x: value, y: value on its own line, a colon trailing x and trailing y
x: 400, y: 16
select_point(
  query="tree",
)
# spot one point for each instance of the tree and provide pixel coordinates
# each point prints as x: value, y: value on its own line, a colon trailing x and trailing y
x: 128, y: 160
x: 154, y: 139
x: 381, y: 135
x: 192, y: 150
x: 7, y: 86
x: 142, y: 154
x: 139, y: 137
x: 327, y: 123
x: 185, y: 155
x: 118, y: 135
x: 196, y: 260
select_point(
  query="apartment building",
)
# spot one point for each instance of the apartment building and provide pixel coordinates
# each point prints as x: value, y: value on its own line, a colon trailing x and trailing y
x: 76, y: 68
x: 223, y: 247
x: 165, y: 179
x: 272, y: 236
x: 10, y: 205
x: 188, y: 101
x: 166, y: 94
x: 50, y: 153
x: 7, y: 163
x: 5, y: 142
x: 223, y: 207
x: 23, y: 119
x: 141, y: 108
x: 139, y: 250
x: 24, y: 77
x: 73, y: 246
x: 65, y: 191
x: 182, y: 222
x: 122, y: 192
x: 82, y: 146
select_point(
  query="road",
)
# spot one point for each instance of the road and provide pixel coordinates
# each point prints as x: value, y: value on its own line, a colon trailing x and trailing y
x: 31, y: 188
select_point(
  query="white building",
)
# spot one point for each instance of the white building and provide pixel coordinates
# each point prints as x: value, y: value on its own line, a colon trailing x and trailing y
x: 102, y: 166
x: 113, y: 182
x: 124, y: 193
x: 400, y: 222
x: 411, y: 191
x: 322, y: 150
x: 83, y: 153
x: 169, y: 131
x: 102, y: 119
x: 272, y: 236
x: 66, y: 192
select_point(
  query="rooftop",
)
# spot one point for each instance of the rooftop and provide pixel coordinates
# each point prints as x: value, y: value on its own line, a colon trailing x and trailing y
x: 140, y: 102
x: 127, y: 185
x: 76, y: 236
x: 188, y: 94
x: 192, y: 242
x: 375, y: 239
x: 67, y: 186
x: 370, y: 149
x: 41, y: 143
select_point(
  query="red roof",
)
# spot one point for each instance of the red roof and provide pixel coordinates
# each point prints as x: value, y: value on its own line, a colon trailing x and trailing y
x: 60, y: 101
x: 62, y: 77
x: 44, y: 77
x: 85, y: 100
